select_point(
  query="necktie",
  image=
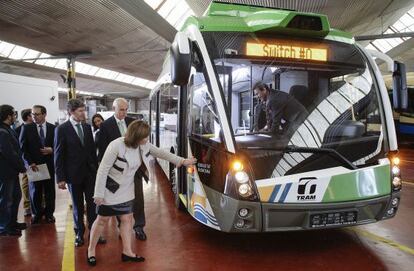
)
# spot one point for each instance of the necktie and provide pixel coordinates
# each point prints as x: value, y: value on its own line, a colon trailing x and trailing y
x: 121, y: 128
x: 80, y: 133
x: 42, y: 136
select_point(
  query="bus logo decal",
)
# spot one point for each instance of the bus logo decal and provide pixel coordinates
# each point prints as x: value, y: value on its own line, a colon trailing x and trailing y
x: 305, y: 191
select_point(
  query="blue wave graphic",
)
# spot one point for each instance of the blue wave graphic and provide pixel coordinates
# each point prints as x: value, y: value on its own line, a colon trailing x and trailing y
x: 200, y: 209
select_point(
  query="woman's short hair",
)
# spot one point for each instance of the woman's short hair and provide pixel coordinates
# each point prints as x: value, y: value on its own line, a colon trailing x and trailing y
x: 137, y: 131
x: 93, y: 120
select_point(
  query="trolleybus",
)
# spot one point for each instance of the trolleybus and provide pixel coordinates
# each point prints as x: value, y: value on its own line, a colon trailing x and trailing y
x: 336, y: 167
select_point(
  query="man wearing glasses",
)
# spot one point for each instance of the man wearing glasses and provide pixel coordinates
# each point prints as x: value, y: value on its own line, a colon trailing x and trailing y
x: 36, y: 140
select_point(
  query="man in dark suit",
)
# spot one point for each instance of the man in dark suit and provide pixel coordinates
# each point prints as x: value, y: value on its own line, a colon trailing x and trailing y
x: 76, y: 164
x: 36, y: 141
x: 26, y: 115
x: 280, y: 106
x: 11, y: 164
x: 111, y: 129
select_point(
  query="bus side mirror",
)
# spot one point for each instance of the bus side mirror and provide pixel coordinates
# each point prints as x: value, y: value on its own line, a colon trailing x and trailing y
x: 399, y: 87
x: 180, y: 54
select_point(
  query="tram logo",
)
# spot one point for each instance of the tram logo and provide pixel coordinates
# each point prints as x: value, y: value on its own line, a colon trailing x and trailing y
x: 306, y: 189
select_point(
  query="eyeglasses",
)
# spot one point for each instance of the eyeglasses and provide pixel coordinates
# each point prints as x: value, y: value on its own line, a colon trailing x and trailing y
x: 15, y: 113
x: 36, y: 114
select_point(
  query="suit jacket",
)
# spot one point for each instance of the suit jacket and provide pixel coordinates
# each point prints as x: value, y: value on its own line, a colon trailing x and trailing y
x: 109, y: 131
x: 281, y: 105
x: 74, y: 162
x: 30, y: 144
x: 11, y: 162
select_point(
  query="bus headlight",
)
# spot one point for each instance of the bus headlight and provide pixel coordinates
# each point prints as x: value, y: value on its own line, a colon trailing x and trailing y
x: 241, y: 177
x: 395, y: 173
x: 239, y: 183
x: 396, y: 183
x: 395, y: 170
x: 244, y: 190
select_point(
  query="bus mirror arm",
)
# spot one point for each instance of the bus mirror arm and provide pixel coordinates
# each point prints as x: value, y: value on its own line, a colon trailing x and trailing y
x: 180, y: 54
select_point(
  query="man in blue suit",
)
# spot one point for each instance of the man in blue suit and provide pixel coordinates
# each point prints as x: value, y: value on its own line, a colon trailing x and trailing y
x: 11, y: 164
x: 76, y: 164
x: 36, y: 141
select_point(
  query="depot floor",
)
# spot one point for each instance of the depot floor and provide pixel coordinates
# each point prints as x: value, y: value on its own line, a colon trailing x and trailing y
x: 178, y: 242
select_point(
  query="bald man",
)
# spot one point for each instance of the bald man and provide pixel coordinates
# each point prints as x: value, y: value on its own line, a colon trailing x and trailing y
x: 111, y: 129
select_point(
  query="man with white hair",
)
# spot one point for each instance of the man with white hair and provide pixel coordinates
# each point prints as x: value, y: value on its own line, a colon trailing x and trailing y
x: 111, y: 129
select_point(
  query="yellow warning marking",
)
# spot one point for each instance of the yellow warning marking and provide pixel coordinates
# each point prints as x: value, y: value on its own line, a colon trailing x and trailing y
x: 381, y: 239
x: 183, y: 199
x: 68, y: 260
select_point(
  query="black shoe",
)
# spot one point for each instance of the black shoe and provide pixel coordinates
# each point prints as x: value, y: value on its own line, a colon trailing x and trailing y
x: 35, y: 220
x: 91, y: 260
x: 79, y: 241
x: 140, y: 234
x: 101, y: 241
x: 13, y: 232
x: 50, y: 219
x: 126, y: 258
x: 20, y: 226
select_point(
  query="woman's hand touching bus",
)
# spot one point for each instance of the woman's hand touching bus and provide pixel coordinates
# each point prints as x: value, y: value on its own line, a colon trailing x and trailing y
x: 189, y: 161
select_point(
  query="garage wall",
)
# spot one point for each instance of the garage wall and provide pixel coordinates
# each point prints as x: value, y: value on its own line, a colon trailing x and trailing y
x: 23, y: 92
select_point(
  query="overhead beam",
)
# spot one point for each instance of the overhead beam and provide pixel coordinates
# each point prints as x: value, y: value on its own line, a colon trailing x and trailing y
x: 386, y: 36
x: 149, y: 17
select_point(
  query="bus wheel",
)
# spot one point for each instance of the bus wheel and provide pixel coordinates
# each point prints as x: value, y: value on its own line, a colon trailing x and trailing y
x: 177, y: 201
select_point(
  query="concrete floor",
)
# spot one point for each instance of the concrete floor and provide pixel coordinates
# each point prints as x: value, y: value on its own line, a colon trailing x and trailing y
x: 177, y: 242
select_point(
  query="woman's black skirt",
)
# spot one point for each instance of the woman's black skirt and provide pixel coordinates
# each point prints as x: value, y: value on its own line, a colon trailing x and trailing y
x: 114, y: 210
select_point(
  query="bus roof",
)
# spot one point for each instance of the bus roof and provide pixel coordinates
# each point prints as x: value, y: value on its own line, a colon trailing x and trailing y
x: 245, y: 18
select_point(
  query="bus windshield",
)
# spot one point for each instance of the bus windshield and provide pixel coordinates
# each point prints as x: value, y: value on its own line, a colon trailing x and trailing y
x: 321, y: 95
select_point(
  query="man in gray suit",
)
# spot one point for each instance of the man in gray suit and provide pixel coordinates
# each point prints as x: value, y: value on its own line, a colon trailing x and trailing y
x: 280, y: 105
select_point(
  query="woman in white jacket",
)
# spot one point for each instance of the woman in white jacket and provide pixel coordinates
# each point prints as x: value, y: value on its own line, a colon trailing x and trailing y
x: 114, y: 188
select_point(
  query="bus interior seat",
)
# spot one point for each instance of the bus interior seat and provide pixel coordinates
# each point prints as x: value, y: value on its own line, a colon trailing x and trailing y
x: 348, y: 129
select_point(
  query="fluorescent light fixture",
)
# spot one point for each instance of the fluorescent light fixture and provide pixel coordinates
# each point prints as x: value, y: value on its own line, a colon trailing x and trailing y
x: 175, y: 12
x: 81, y: 92
x: 404, y: 24
x: 13, y: 51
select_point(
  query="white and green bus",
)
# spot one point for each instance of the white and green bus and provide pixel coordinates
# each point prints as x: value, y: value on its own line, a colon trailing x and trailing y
x: 337, y: 167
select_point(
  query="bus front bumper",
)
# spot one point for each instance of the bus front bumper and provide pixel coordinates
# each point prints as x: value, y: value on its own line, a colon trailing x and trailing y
x: 273, y: 217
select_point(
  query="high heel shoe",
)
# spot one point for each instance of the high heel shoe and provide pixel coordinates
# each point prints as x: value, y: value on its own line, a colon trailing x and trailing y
x: 126, y: 258
x: 91, y: 260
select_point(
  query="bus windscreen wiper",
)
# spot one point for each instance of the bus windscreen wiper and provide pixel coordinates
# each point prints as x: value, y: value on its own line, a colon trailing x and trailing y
x: 293, y: 148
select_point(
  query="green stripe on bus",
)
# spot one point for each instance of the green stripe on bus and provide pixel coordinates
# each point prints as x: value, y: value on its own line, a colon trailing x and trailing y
x: 362, y: 184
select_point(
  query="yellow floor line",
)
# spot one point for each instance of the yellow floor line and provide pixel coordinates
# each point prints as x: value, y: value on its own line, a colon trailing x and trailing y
x: 68, y: 260
x: 381, y: 239
x: 409, y: 183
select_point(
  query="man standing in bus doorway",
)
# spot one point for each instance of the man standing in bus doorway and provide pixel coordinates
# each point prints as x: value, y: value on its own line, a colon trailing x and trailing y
x: 111, y: 129
x: 280, y: 106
